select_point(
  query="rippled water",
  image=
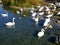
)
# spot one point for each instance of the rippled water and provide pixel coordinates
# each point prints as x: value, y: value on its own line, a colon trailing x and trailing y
x: 24, y: 32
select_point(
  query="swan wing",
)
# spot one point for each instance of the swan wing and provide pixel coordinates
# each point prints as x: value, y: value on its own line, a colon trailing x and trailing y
x: 9, y: 23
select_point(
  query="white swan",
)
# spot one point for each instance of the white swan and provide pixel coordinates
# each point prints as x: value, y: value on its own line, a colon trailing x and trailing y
x: 41, y: 13
x: 21, y: 9
x: 34, y: 14
x: 58, y: 13
x: 41, y: 8
x: 47, y: 8
x: 10, y: 23
x: 32, y: 9
x: 17, y: 12
x: 5, y: 15
x: 50, y: 15
x: 37, y: 20
x: 46, y: 23
x: 41, y: 33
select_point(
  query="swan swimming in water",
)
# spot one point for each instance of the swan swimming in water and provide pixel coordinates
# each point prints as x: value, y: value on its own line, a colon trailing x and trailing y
x: 10, y: 23
x: 5, y: 15
x: 41, y: 33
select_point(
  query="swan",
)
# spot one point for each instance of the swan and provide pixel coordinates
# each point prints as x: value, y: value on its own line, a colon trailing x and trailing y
x: 5, y: 15
x: 32, y: 9
x: 54, y: 7
x: 50, y: 15
x: 17, y: 12
x: 41, y: 8
x: 38, y: 6
x: 41, y: 33
x: 34, y: 14
x: 47, y: 8
x: 41, y: 13
x: 21, y: 9
x: 10, y: 23
x: 58, y: 13
x: 46, y: 23
x: 36, y: 20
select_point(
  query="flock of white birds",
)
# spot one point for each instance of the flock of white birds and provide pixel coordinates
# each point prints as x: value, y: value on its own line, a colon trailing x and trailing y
x: 36, y: 16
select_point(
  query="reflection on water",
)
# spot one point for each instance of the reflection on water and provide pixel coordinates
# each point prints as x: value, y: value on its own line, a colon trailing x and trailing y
x: 24, y: 32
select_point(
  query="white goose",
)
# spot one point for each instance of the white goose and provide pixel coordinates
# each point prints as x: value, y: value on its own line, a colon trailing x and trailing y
x: 5, y: 15
x: 10, y: 23
x: 41, y: 33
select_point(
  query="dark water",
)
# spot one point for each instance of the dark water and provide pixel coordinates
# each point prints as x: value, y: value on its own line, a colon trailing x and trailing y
x: 24, y: 32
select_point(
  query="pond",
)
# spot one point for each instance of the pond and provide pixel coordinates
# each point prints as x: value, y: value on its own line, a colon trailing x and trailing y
x: 24, y: 32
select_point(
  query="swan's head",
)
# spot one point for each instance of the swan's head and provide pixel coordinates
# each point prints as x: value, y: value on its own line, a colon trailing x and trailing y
x: 14, y: 18
x: 43, y: 30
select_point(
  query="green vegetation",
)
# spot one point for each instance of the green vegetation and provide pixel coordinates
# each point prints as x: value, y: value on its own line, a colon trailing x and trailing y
x: 22, y: 3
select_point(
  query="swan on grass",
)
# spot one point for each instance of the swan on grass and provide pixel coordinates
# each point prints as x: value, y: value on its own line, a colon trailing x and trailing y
x: 37, y: 20
x: 17, y: 12
x: 41, y: 33
x: 10, y: 23
x: 50, y: 15
x: 41, y: 13
x: 46, y: 23
x: 41, y: 8
x: 58, y: 13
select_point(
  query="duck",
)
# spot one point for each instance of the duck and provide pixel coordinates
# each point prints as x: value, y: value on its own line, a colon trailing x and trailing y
x: 41, y: 33
x: 10, y: 23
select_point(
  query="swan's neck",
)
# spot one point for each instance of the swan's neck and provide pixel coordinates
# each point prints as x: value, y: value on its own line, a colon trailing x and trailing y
x: 13, y: 21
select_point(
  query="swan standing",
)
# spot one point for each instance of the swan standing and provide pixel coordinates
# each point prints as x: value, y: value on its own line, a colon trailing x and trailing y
x: 37, y: 20
x: 17, y: 12
x: 58, y: 13
x: 10, y: 23
x: 50, y: 15
x: 46, y: 23
x: 41, y: 8
x: 41, y: 33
